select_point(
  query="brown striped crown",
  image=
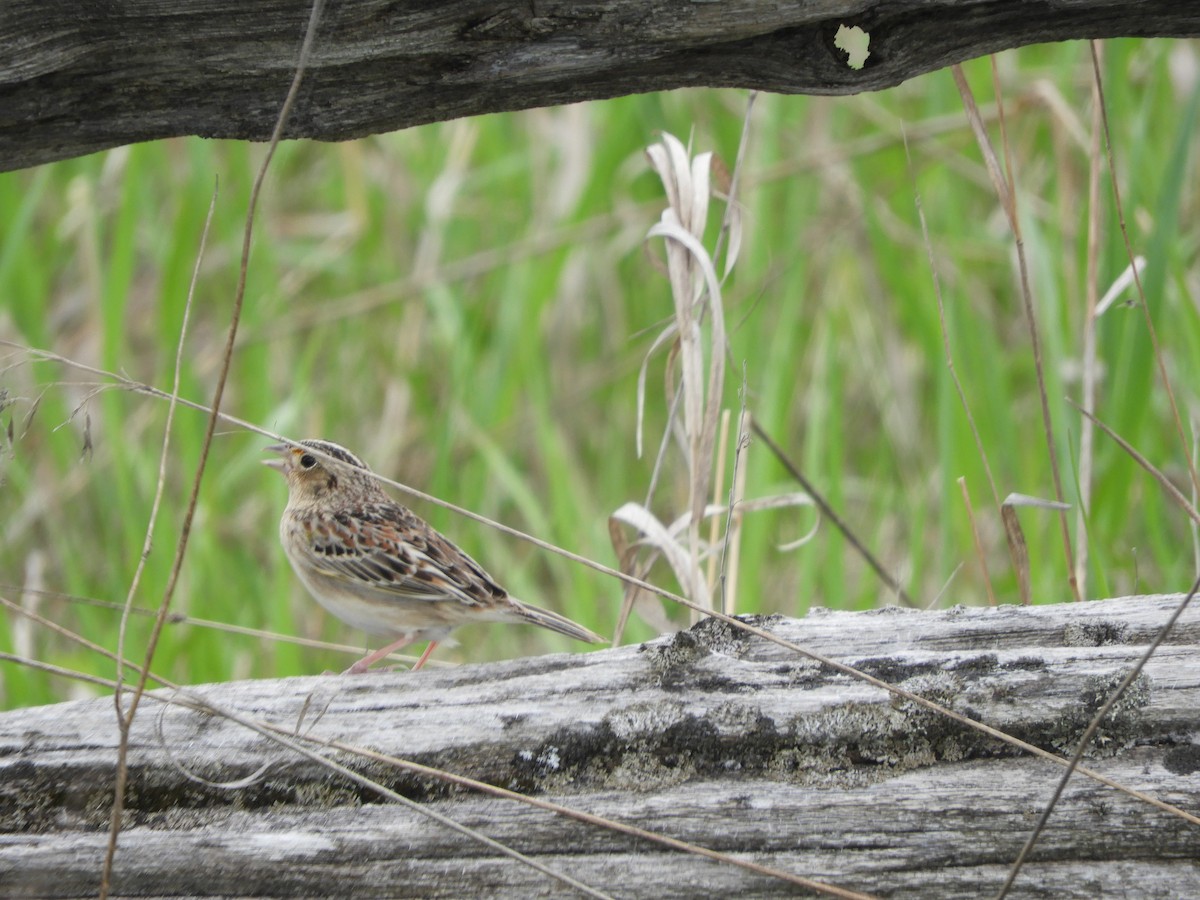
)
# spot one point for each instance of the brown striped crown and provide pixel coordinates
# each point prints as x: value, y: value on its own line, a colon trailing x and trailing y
x: 337, y: 451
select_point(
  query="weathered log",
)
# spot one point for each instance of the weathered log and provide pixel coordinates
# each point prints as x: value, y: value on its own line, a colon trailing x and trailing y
x: 711, y: 736
x: 75, y: 79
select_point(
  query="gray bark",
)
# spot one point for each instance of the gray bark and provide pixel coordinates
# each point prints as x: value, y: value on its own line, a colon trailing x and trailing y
x: 76, y: 78
x: 710, y: 736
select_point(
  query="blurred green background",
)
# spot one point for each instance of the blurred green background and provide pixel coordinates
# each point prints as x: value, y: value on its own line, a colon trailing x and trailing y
x: 466, y: 306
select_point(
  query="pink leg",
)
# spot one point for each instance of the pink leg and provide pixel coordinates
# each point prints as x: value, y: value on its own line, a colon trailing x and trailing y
x: 424, y: 656
x: 371, y: 658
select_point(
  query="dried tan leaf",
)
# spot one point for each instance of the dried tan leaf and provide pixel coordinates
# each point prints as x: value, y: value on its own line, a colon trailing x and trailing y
x: 1018, y: 547
x: 1036, y: 502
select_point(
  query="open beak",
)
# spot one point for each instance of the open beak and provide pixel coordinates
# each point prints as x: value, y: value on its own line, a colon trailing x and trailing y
x: 281, y: 464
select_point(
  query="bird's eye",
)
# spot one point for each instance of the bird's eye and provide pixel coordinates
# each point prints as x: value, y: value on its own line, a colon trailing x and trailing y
x: 307, y: 461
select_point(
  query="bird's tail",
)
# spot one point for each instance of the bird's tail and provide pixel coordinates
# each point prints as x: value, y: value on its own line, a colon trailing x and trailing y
x: 552, y: 620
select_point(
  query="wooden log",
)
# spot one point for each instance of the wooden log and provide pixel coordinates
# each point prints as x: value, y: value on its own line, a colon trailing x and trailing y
x: 710, y: 736
x: 75, y: 79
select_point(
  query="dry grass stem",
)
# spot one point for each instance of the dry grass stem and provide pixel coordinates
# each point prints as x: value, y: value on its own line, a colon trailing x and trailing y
x: 818, y: 500
x: 979, y: 554
x: 696, y: 294
x: 737, y: 511
x: 1090, y: 374
x: 714, y: 525
x: 1006, y: 193
x: 1164, y: 482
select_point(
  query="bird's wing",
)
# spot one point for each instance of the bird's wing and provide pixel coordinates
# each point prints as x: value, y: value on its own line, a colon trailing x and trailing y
x: 389, y: 549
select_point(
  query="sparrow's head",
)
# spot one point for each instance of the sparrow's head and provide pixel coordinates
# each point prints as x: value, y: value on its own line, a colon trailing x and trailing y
x: 321, y: 471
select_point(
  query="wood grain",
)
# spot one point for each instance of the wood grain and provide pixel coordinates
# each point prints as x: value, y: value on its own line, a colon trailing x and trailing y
x: 731, y: 742
x: 79, y: 78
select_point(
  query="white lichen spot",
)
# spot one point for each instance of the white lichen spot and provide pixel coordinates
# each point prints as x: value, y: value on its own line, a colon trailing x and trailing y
x: 855, y: 43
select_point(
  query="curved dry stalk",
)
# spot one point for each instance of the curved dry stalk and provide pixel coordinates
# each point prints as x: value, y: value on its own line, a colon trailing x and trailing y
x: 124, y: 721
x: 701, y: 406
x: 663, y: 539
x: 169, y: 755
x: 695, y: 292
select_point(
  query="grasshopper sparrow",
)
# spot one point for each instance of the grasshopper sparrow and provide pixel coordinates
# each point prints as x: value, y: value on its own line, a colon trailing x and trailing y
x: 377, y: 566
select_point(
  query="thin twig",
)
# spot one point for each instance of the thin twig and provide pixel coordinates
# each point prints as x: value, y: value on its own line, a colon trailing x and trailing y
x: 1164, y: 482
x: 826, y: 510
x: 1086, y: 739
x: 125, y: 717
